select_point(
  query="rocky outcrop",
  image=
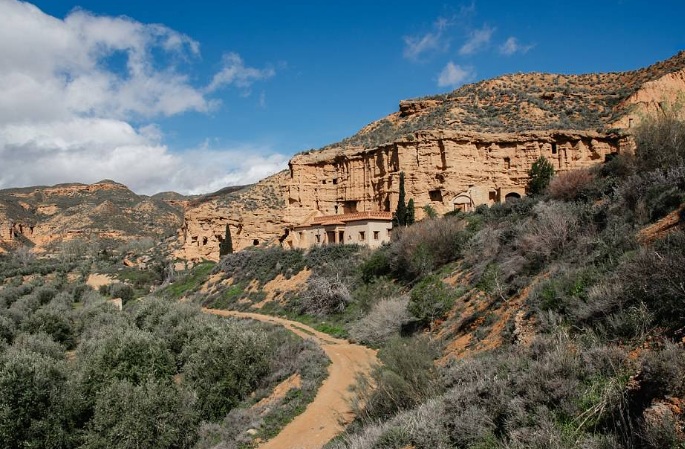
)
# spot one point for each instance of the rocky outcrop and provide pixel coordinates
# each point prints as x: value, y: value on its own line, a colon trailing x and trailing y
x: 257, y: 215
x: 469, y: 147
x: 439, y: 166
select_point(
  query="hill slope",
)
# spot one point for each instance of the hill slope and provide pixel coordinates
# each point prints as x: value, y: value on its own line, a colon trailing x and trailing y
x: 36, y: 216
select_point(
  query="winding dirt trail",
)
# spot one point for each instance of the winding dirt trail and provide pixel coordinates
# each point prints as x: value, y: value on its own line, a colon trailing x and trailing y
x: 330, y: 411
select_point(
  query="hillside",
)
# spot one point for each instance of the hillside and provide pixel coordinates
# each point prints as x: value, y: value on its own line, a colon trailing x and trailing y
x: 551, y: 321
x: 38, y: 216
x: 525, y: 102
x: 477, y: 142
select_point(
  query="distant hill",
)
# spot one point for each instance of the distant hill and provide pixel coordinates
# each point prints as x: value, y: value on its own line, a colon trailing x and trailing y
x: 37, y: 216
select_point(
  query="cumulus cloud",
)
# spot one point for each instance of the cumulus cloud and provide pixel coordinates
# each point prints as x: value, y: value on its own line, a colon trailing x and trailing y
x: 477, y: 41
x: 417, y: 46
x: 72, y: 89
x: 453, y: 75
x: 512, y: 46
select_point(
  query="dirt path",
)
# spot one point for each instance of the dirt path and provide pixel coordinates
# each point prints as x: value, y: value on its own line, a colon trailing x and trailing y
x: 330, y: 412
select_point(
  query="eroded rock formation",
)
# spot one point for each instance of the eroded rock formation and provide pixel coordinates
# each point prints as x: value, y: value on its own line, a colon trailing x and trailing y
x: 469, y: 147
x: 38, y: 216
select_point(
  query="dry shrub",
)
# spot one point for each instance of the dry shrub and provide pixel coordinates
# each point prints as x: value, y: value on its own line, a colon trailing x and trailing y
x: 551, y: 231
x: 384, y: 321
x: 568, y: 186
x: 325, y: 295
x: 660, y: 143
x: 428, y: 244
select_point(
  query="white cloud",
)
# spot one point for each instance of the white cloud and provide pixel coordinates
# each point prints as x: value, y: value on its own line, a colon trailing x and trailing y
x: 453, y: 75
x: 415, y: 47
x: 71, y: 89
x: 512, y: 46
x: 477, y: 41
x: 88, y: 150
x: 235, y: 72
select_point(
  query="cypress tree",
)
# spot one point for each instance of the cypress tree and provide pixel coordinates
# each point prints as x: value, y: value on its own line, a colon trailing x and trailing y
x: 226, y: 247
x: 401, y: 213
x: 411, y: 213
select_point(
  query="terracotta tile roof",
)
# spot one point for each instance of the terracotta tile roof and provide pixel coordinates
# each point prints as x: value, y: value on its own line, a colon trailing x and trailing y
x: 341, y: 219
x: 356, y: 216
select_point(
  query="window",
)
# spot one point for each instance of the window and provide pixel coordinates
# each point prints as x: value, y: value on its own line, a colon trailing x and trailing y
x: 435, y: 195
x: 318, y: 238
x: 554, y: 148
x: 362, y: 236
x: 376, y: 235
x: 335, y: 180
x: 507, y: 163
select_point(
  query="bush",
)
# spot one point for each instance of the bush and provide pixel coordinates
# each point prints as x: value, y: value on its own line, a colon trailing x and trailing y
x: 655, y: 276
x: 660, y: 143
x: 122, y: 354
x: 554, y: 229
x: 55, y: 324
x: 377, y: 264
x: 224, y: 368
x: 570, y: 186
x: 406, y: 378
x: 262, y: 264
x: 384, y: 321
x: 430, y: 299
x: 149, y: 415
x: 426, y: 245
x: 324, y: 296
x: 540, y: 175
x: 33, y: 401
x: 121, y: 290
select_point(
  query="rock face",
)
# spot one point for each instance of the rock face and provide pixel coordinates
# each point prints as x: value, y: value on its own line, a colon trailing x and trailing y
x: 469, y: 147
x: 38, y: 216
x: 440, y: 167
x: 257, y: 215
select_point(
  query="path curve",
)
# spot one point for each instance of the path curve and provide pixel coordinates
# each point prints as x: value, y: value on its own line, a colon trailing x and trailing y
x: 330, y: 411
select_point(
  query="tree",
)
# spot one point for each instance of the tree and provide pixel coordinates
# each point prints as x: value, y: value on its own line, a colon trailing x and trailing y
x: 226, y: 247
x: 405, y: 213
x: 401, y: 212
x: 411, y: 213
x: 540, y: 174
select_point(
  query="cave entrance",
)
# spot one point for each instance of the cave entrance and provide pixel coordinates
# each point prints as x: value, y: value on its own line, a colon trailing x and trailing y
x: 513, y: 196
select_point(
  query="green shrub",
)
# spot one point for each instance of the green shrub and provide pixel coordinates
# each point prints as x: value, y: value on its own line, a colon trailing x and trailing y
x: 121, y: 290
x: 430, y: 299
x: 150, y: 415
x: 224, y: 368
x: 406, y: 378
x: 377, y: 264
x: 540, y: 175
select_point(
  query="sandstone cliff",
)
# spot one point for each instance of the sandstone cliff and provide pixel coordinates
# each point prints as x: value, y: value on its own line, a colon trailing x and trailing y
x: 469, y: 147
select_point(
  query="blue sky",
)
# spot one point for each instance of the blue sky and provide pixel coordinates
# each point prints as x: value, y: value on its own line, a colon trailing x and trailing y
x: 194, y: 96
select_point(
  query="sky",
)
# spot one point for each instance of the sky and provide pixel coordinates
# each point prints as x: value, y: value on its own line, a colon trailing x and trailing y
x: 196, y: 96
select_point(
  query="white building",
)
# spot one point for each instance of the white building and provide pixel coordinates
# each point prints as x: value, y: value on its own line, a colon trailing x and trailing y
x: 363, y: 228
